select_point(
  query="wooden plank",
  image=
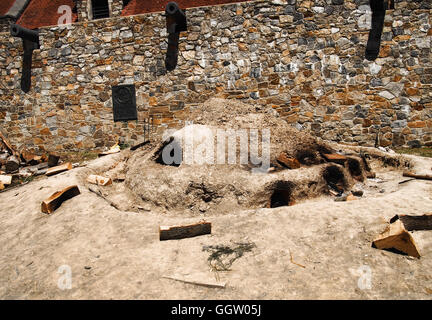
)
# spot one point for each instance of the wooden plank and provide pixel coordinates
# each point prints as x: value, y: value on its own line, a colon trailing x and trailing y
x: 58, y: 169
x: 5, y: 179
x: 417, y: 176
x: 57, y: 198
x: 335, y: 157
x: 397, y: 237
x: 187, y: 231
x: 99, y: 180
x: 414, y: 223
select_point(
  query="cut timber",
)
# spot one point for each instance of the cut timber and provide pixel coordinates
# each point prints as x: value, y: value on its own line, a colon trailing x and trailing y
x: 12, y: 164
x: 291, y: 163
x: 414, y: 223
x: 398, y: 238
x: 335, y: 157
x: 5, y: 179
x: 417, y: 176
x: 58, y: 169
x: 99, y: 180
x: 52, y: 203
x: 53, y: 160
x: 188, y: 231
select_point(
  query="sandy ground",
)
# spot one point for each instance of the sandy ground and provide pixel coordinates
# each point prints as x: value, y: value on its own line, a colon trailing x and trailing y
x: 115, y: 254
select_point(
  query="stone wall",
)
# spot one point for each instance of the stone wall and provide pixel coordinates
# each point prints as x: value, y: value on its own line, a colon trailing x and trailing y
x: 5, y: 23
x: 303, y: 58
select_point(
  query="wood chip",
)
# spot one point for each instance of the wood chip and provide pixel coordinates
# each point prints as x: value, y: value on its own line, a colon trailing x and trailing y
x: 99, y: 180
x: 397, y: 237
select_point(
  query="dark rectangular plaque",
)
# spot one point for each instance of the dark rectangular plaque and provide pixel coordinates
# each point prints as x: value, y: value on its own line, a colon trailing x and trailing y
x: 124, y: 103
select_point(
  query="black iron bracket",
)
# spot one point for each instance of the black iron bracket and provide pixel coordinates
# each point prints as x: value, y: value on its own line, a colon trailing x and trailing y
x: 175, y: 23
x: 30, y: 39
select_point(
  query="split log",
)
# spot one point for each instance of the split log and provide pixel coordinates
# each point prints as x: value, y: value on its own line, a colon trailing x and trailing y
x: 290, y: 163
x: 335, y: 157
x: 181, y: 232
x: 56, y: 199
x: 417, y: 176
x: 99, y: 180
x: 414, y: 223
x: 5, y: 179
x: 61, y: 168
x: 53, y: 160
x: 396, y: 237
x: 12, y: 164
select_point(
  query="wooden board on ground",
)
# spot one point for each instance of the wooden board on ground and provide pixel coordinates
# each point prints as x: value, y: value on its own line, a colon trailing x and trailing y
x: 5, y: 179
x: 99, y: 180
x: 187, y: 231
x: 335, y: 157
x: 414, y: 223
x: 396, y: 237
x: 58, y: 169
x: 56, y: 199
x: 417, y: 176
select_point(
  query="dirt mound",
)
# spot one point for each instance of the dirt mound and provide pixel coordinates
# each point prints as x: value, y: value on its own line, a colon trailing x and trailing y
x: 232, y: 114
x: 221, y: 187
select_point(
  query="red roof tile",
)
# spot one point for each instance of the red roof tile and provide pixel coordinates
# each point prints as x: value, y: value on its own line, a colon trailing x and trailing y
x: 5, y: 5
x: 145, y: 6
x: 40, y: 13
